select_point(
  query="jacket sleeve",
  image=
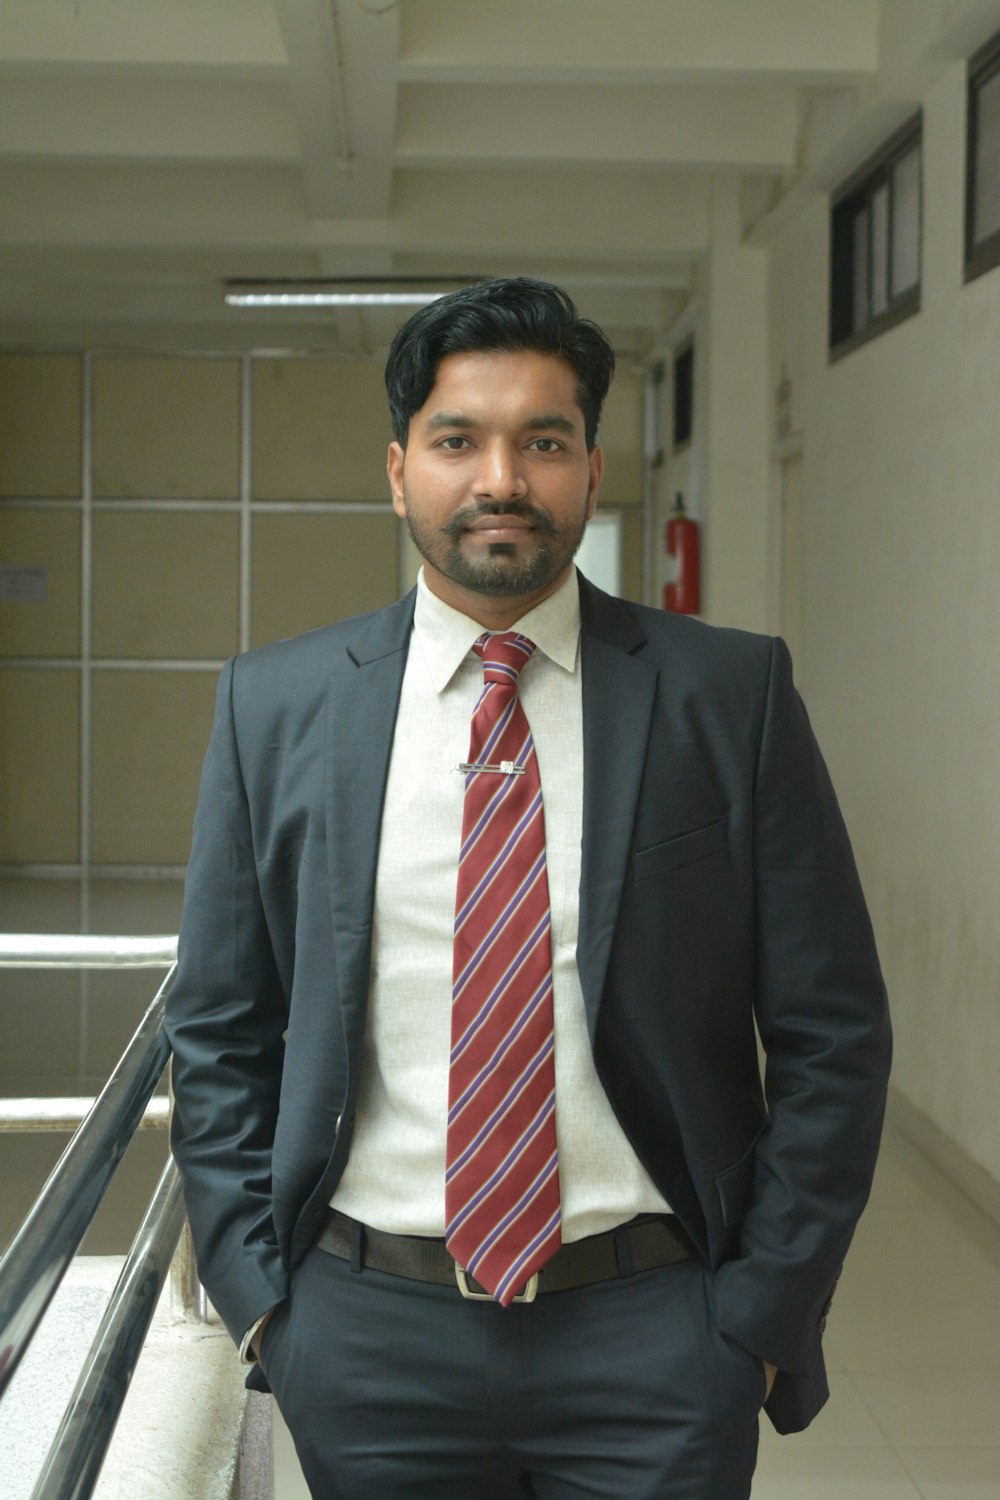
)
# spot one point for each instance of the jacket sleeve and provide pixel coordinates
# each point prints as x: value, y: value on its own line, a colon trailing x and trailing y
x: 226, y: 1014
x: 823, y: 1020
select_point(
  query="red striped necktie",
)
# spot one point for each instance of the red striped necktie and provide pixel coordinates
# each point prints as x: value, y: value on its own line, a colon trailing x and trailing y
x: 502, y: 1173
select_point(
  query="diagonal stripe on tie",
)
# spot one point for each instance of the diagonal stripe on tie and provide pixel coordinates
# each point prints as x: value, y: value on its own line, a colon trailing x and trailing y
x: 502, y: 1173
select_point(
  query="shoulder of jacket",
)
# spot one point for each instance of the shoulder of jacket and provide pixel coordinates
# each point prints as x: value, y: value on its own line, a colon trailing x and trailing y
x: 672, y: 633
x: 317, y: 649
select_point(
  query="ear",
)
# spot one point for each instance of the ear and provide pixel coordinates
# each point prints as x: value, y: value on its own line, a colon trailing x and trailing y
x: 596, y: 460
x: 394, y: 469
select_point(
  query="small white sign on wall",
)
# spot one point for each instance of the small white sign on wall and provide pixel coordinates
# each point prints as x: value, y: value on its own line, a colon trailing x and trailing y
x: 23, y: 583
x: 600, y: 554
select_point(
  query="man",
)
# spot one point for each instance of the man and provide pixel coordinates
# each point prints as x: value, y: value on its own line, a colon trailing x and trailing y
x: 487, y: 891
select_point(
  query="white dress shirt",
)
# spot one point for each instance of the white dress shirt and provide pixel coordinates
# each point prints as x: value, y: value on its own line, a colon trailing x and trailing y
x: 394, y: 1178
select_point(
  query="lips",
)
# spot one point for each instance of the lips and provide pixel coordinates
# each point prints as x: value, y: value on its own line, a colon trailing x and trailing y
x: 508, y: 524
x: 501, y: 524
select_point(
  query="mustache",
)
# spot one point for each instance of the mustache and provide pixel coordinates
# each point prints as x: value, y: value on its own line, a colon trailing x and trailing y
x: 467, y: 515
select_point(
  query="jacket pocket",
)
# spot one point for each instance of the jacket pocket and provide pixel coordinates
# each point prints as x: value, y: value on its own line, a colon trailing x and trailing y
x: 682, y: 849
x: 735, y: 1184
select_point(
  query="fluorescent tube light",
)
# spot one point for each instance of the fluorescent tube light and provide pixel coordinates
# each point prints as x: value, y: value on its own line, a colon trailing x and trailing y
x: 331, y: 299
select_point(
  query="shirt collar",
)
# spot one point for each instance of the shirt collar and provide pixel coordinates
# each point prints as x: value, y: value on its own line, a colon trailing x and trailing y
x: 445, y: 636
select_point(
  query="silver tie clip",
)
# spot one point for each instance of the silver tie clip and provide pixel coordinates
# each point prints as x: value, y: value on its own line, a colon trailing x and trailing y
x: 503, y: 767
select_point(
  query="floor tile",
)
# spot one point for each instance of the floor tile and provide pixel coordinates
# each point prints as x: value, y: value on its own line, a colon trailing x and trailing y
x: 954, y: 1473
x: 918, y: 1290
x: 792, y: 1470
x: 931, y: 1407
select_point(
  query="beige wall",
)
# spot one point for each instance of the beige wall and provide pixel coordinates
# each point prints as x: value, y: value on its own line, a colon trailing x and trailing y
x: 900, y: 657
x: 320, y: 430
x: 731, y: 344
x: 166, y: 428
x: 184, y: 540
x: 40, y: 425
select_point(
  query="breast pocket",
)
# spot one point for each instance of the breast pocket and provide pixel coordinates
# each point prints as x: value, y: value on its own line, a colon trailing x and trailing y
x: 680, y: 850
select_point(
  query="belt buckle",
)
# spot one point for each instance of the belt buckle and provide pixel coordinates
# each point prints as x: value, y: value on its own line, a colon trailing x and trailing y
x: 527, y: 1295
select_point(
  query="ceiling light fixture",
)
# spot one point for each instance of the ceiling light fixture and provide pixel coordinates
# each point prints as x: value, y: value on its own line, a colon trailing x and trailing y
x: 340, y: 291
x: 331, y: 299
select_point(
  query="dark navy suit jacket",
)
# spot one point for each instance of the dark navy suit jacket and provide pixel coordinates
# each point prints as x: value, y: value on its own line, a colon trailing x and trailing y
x: 717, y: 887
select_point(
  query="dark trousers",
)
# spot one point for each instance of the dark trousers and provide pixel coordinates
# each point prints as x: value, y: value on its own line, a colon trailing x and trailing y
x: 624, y: 1390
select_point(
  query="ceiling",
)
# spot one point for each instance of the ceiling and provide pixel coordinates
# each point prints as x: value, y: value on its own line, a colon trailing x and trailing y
x: 152, y: 149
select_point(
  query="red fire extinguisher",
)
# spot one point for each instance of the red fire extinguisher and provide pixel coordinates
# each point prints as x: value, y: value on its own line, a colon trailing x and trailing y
x: 683, y: 596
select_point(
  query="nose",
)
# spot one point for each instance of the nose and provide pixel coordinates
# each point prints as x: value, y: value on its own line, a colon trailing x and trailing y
x: 500, y: 474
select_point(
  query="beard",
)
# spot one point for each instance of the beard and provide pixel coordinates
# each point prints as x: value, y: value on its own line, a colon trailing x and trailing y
x: 507, y: 568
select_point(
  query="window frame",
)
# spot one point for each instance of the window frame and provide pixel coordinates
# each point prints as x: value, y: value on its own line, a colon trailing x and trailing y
x: 981, y: 256
x: 858, y: 191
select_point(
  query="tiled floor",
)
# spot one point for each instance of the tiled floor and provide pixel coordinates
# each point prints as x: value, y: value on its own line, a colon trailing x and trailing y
x: 914, y: 1355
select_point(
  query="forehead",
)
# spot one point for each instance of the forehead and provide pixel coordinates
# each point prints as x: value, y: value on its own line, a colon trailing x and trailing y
x: 498, y: 385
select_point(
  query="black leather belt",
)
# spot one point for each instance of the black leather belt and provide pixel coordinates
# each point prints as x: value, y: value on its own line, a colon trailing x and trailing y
x: 641, y: 1245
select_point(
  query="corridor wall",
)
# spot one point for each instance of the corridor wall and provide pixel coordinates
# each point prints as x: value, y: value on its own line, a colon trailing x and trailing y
x: 900, y: 661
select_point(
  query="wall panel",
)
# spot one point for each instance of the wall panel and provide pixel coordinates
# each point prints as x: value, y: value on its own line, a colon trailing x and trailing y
x: 48, y: 625
x: 165, y: 585
x: 39, y: 765
x: 40, y: 425
x: 311, y: 569
x: 320, y: 430
x: 166, y: 428
x: 150, y: 730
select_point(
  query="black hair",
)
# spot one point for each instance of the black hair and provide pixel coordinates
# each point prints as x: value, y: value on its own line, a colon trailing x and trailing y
x: 508, y: 315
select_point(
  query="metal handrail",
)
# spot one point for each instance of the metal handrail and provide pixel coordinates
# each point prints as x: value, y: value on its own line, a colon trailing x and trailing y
x: 40, y: 1253
x: 35, y: 950
x: 28, y: 1116
x: 74, y: 1460
x: 43, y: 950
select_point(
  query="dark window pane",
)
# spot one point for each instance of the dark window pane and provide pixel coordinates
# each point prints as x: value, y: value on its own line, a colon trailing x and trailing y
x: 986, y: 219
x: 859, y: 301
x: 683, y: 395
x: 880, y: 249
x: 905, y: 271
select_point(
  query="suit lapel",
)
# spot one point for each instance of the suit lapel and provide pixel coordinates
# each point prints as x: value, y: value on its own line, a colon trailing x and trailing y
x: 618, y: 693
x: 362, y: 703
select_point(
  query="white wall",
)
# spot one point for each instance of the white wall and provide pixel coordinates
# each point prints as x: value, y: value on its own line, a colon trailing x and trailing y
x: 900, y: 664
x: 732, y: 343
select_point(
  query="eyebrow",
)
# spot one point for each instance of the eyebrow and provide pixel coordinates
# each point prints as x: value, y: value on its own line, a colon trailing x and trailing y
x: 449, y: 419
x: 546, y: 421
x: 552, y: 421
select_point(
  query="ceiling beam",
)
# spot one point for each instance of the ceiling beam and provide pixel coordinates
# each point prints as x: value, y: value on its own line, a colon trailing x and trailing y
x: 116, y: 33
x: 641, y: 40
x: 343, y: 62
x: 169, y: 119
x: 576, y: 214
x: 461, y: 124
x: 571, y: 213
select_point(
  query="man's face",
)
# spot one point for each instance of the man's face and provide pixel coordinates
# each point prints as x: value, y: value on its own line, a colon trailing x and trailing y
x: 496, y: 483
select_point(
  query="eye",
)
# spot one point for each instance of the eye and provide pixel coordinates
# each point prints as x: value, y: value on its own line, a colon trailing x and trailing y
x: 546, y: 445
x: 454, y: 444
